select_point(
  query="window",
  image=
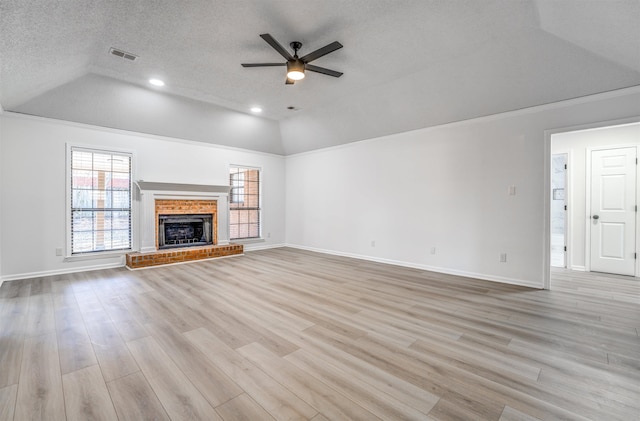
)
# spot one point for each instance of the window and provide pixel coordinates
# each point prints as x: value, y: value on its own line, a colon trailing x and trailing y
x: 100, y: 201
x: 237, y: 187
x: 244, y: 203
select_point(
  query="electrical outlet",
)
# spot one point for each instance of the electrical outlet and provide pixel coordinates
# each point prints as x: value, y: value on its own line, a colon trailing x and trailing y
x: 373, y: 243
x: 512, y: 190
x: 58, y: 251
x: 268, y: 235
x: 433, y: 250
x: 503, y: 257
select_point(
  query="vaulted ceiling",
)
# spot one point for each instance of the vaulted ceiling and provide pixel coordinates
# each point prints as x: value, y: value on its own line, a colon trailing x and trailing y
x: 407, y: 64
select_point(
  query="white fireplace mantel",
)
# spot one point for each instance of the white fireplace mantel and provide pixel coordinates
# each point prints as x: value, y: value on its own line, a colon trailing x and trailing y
x: 152, y: 191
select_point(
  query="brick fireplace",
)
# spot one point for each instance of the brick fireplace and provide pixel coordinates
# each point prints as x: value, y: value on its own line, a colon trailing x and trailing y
x: 179, y: 207
x: 193, y: 218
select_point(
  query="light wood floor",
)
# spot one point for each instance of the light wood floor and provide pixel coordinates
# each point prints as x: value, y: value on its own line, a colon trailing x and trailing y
x: 286, y: 334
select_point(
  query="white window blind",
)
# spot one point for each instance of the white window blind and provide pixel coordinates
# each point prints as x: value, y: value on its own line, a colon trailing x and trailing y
x: 244, y: 203
x: 100, y: 201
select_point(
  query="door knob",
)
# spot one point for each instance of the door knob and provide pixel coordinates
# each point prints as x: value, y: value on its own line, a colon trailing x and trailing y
x: 596, y: 217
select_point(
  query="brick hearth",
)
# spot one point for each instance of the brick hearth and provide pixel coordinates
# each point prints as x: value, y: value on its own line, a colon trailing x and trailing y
x: 164, y: 257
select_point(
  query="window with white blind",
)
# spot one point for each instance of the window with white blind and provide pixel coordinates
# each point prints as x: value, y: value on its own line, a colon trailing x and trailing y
x: 100, y: 201
x: 244, y: 203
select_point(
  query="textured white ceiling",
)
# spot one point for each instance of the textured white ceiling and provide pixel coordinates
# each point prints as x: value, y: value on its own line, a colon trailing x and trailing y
x: 407, y: 63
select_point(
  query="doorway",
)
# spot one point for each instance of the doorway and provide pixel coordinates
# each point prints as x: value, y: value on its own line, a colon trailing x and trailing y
x: 603, y: 158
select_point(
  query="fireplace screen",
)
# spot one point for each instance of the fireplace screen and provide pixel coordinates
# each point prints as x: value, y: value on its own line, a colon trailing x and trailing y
x: 184, y: 230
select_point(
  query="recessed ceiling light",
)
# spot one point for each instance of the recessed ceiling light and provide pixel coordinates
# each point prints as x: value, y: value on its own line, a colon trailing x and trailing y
x: 256, y: 109
x: 156, y: 82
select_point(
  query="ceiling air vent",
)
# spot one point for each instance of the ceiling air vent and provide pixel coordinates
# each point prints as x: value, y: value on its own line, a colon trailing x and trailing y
x: 123, y: 54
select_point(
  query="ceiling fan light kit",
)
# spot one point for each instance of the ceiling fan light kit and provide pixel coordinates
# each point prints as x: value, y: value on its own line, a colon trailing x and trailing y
x: 296, y: 66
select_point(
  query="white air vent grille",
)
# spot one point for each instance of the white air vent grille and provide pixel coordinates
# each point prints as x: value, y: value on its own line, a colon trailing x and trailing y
x: 123, y: 54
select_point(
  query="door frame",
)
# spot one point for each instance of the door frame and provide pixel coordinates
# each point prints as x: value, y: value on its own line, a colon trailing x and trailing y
x: 546, y: 199
x: 587, y: 203
x: 568, y: 201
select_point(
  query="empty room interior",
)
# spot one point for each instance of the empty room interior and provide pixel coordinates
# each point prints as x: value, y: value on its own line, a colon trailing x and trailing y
x: 320, y: 210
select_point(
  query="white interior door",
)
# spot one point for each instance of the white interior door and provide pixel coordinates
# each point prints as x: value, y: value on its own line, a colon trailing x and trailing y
x: 613, y: 210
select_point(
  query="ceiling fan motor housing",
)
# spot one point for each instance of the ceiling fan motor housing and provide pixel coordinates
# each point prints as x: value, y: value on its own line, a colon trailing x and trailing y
x: 295, y: 65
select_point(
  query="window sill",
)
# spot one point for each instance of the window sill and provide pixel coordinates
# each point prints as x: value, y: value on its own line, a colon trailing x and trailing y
x: 96, y: 255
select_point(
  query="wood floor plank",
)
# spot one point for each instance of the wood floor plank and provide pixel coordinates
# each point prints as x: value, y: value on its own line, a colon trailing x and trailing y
x: 130, y: 330
x: 320, y: 417
x: 41, y: 316
x: 243, y: 408
x: 40, y: 395
x: 66, y: 313
x: 233, y: 332
x: 451, y: 410
x: 15, y: 289
x: 437, y: 380
x: 499, y: 387
x: 214, y: 384
x: 134, y: 400
x: 41, y: 285
x: 13, y: 314
x: 383, y: 380
x: 555, y: 368
x: 155, y: 306
x: 86, y: 396
x: 74, y: 346
x: 260, y: 308
x: 113, y: 355
x: 179, y: 397
x: 377, y: 402
x: 89, y: 304
x: 8, y: 401
x: 281, y: 403
x: 321, y: 396
x: 603, y: 391
x: 116, y: 308
x: 510, y: 414
x: 181, y: 317
x: 475, y: 358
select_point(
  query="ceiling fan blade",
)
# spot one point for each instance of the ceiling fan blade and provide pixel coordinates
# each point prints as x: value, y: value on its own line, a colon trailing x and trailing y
x: 322, y: 51
x: 322, y: 70
x: 290, y: 82
x: 263, y: 64
x: 276, y: 46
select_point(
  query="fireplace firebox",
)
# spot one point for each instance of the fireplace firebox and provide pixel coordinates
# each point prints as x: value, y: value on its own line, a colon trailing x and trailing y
x: 186, y: 230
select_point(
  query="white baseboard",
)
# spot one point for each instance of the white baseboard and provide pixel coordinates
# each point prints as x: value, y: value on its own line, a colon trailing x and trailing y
x: 257, y: 246
x: 447, y: 271
x: 58, y: 272
x: 579, y: 268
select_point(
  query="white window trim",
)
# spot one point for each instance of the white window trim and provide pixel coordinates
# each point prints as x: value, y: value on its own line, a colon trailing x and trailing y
x: 68, y: 256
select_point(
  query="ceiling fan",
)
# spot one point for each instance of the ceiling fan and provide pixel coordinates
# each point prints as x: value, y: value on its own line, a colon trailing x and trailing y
x: 297, y: 65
